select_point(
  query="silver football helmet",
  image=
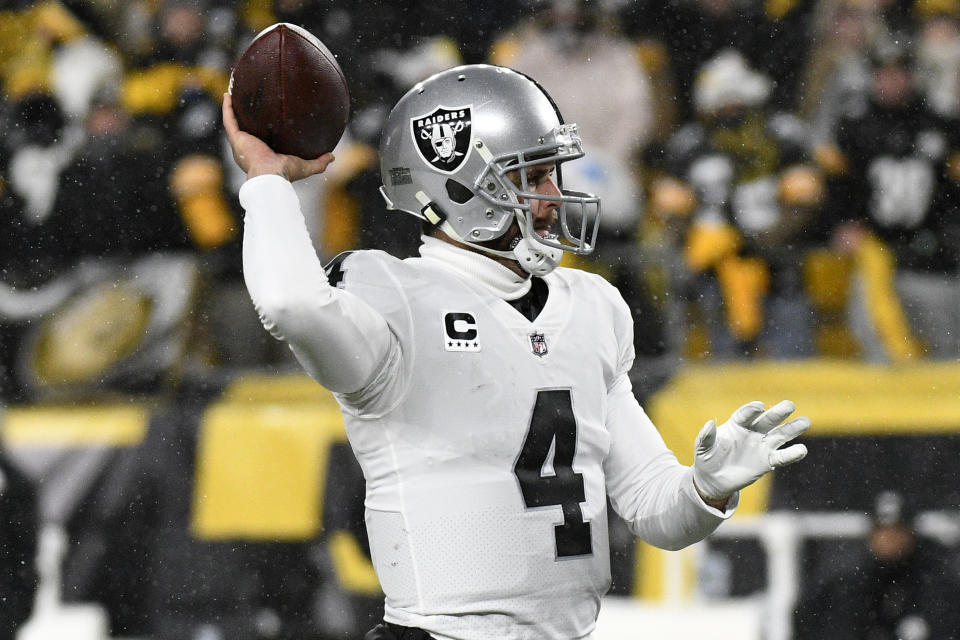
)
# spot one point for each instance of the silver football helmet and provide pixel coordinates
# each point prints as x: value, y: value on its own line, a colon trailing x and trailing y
x: 448, y: 147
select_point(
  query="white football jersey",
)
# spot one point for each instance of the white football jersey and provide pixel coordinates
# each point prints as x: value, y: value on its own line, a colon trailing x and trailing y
x: 489, y: 443
x: 484, y: 453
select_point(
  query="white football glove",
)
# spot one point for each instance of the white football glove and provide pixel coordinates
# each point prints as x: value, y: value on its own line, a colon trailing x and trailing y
x: 735, y: 454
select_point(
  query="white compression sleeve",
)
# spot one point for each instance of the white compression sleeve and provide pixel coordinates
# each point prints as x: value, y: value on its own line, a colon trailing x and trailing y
x: 339, y: 339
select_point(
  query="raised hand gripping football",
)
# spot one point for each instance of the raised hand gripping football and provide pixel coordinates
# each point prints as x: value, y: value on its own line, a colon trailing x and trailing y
x: 745, y: 447
x: 255, y: 157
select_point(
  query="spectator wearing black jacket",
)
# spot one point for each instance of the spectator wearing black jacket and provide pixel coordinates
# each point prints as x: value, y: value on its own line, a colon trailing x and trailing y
x: 901, y: 194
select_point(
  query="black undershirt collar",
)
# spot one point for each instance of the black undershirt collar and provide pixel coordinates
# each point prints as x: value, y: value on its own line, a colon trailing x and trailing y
x: 531, y: 303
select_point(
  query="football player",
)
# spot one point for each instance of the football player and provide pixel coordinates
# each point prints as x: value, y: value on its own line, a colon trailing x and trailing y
x: 484, y: 388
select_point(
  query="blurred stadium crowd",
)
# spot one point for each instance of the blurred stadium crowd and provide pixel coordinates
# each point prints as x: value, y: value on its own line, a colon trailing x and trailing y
x: 780, y: 179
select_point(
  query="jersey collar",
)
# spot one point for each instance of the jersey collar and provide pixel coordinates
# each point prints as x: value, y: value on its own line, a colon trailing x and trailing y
x: 474, y: 267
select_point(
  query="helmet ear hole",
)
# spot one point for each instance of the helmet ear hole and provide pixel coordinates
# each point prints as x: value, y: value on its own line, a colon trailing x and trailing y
x: 457, y: 192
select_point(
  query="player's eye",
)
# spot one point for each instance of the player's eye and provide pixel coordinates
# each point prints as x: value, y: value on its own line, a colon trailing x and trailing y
x: 539, y: 176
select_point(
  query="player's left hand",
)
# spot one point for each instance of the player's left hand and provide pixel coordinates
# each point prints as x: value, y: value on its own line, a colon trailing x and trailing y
x: 742, y: 449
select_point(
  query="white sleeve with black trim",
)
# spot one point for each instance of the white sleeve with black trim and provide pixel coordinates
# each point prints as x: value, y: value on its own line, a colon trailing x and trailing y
x: 339, y: 339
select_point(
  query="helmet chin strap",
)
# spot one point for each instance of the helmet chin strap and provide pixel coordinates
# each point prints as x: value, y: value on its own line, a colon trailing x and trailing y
x: 533, y: 256
x: 536, y: 258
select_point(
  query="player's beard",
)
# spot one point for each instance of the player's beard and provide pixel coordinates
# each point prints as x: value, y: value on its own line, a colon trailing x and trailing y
x: 512, y: 237
x: 540, y: 257
x: 508, y: 241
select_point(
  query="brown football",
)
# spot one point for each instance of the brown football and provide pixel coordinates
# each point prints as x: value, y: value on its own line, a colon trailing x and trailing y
x: 289, y: 91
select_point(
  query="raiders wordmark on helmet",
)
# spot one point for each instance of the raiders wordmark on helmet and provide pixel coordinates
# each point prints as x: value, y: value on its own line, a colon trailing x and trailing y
x: 443, y: 137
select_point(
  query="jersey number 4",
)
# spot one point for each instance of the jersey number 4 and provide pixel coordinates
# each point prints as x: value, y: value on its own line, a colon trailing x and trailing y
x: 554, y: 427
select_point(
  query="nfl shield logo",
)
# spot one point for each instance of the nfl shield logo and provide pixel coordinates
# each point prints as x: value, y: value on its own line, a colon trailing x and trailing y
x: 538, y: 344
x: 443, y: 137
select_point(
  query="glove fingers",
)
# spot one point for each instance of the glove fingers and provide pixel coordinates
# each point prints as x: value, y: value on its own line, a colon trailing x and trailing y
x: 783, y: 457
x: 706, y: 438
x: 772, y: 417
x: 788, y: 431
x: 745, y: 415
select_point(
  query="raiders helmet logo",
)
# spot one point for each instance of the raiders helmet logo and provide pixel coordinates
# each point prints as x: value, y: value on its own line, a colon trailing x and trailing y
x: 443, y: 137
